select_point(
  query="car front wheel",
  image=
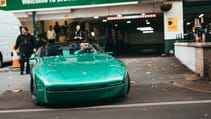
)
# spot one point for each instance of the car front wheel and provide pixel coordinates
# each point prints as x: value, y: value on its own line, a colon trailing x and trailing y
x: 128, y: 83
x: 33, y: 93
x: 1, y: 62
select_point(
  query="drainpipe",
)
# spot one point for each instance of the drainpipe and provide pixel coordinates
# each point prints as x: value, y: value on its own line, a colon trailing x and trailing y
x: 34, y: 26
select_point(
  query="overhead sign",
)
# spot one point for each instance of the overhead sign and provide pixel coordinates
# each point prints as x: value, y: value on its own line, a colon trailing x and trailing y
x: 173, y: 24
x: 3, y: 3
x: 36, y: 4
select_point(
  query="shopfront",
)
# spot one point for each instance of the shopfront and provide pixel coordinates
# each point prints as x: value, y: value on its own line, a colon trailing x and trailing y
x: 194, y: 50
x: 138, y: 26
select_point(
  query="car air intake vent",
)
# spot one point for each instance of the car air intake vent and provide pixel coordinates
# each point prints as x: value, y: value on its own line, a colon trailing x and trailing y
x: 84, y: 87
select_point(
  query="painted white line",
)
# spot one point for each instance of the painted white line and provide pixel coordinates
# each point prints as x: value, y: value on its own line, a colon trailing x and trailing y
x: 111, y: 106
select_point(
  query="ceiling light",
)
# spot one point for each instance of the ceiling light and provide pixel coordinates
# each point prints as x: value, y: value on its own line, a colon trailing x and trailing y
x: 96, y: 17
x: 188, y: 23
x: 104, y: 20
x: 201, y: 15
x: 145, y: 28
x: 92, y: 34
x: 144, y: 32
x: 128, y: 22
x: 132, y: 17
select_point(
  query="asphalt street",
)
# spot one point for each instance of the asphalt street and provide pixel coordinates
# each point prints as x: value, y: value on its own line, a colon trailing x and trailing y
x: 152, y: 96
x: 185, y: 111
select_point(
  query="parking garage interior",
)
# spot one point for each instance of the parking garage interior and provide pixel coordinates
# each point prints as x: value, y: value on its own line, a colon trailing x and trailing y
x: 133, y: 34
x: 197, y: 20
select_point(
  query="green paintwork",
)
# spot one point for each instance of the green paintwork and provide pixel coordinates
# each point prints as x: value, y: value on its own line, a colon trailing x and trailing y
x: 76, y: 71
x: 169, y: 44
x: 36, y: 4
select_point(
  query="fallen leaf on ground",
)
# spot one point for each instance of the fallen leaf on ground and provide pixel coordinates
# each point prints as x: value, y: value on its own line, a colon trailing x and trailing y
x: 148, y: 72
x: 16, y: 90
x: 206, y: 115
x: 163, y: 69
x: 163, y: 55
x: 172, y: 64
x: 132, y: 82
x: 148, y: 65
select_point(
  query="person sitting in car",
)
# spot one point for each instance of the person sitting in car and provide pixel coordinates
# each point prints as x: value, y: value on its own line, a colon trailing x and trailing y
x: 84, y: 48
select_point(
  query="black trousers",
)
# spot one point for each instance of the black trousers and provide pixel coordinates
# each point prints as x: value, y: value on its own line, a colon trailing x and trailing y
x: 24, y: 58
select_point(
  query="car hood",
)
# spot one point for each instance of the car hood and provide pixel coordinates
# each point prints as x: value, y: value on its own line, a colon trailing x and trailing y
x: 83, y: 68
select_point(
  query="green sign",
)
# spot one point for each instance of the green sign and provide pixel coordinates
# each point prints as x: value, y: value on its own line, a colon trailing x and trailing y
x: 36, y: 4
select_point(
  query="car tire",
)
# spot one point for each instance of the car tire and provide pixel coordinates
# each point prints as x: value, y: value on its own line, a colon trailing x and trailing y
x: 128, y: 81
x: 33, y: 93
x: 1, y: 62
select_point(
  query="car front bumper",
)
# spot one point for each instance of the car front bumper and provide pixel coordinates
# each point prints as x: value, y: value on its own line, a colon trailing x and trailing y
x: 81, y: 95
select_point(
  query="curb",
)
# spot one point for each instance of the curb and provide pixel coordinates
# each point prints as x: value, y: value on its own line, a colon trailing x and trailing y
x: 206, y: 88
x: 9, y: 69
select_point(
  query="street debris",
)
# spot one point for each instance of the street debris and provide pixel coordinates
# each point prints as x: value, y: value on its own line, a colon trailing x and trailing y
x: 148, y: 65
x: 10, y: 77
x: 132, y: 82
x: 171, y: 82
x: 172, y: 77
x: 163, y: 89
x: 175, y: 66
x: 172, y: 64
x: 154, y: 86
x: 148, y: 72
x: 191, y: 77
x: 16, y: 90
x: 163, y: 55
x: 206, y: 115
x: 163, y: 69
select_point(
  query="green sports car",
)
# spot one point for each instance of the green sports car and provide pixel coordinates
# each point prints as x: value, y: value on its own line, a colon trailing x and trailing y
x: 74, y: 72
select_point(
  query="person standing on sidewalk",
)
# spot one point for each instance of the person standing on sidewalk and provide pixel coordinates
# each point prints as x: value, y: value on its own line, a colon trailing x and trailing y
x: 26, y: 45
x: 51, y: 35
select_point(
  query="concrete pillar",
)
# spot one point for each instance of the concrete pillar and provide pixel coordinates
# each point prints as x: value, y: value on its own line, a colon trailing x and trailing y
x: 173, y: 25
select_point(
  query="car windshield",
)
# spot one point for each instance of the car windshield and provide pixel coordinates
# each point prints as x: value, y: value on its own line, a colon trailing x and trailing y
x: 70, y: 48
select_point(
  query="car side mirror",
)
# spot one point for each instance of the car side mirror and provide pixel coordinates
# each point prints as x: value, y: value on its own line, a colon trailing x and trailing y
x: 33, y: 61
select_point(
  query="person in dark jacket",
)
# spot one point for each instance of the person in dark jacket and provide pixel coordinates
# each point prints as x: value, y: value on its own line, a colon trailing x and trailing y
x: 57, y: 30
x: 78, y: 33
x: 26, y: 45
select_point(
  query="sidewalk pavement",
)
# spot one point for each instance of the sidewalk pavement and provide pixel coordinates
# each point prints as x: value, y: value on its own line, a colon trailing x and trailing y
x: 152, y: 70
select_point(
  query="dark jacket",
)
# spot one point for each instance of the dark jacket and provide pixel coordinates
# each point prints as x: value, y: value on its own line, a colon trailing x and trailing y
x: 25, y: 43
x: 78, y: 34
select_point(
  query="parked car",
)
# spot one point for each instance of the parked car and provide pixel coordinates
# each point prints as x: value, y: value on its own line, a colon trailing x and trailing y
x: 60, y: 73
x: 9, y: 30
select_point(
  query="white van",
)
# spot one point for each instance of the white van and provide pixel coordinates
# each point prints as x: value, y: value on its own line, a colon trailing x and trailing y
x: 9, y: 30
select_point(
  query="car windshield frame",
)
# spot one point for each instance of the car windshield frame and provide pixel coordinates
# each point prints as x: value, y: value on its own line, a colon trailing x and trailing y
x: 62, y: 49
